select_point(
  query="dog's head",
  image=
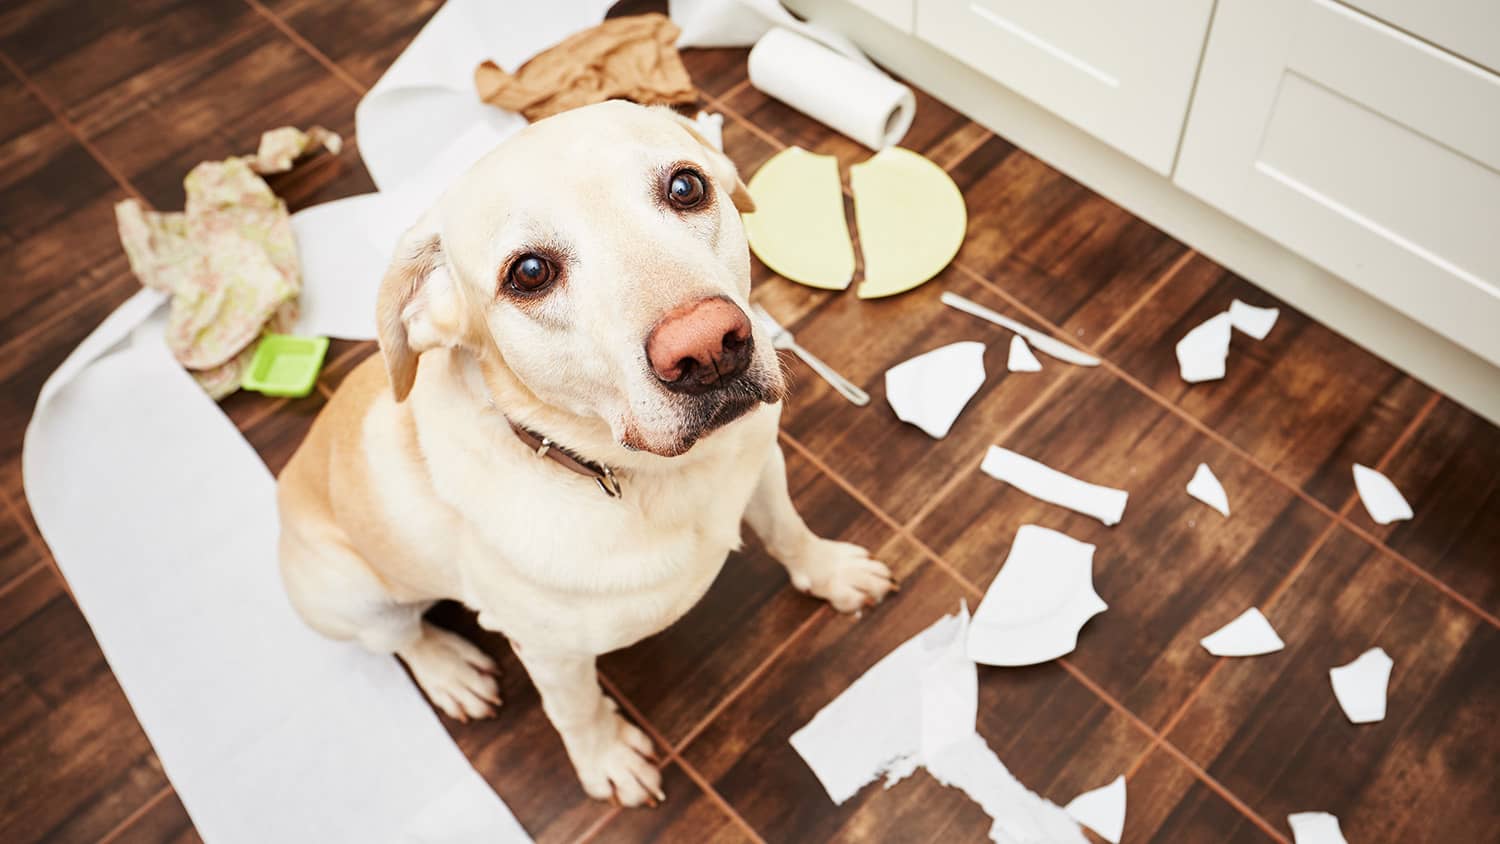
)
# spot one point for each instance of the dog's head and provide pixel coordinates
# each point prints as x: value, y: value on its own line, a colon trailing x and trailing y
x: 598, y: 259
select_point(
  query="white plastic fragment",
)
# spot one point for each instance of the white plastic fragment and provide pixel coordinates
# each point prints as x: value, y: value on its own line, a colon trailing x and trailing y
x: 1102, y: 810
x: 1206, y: 488
x: 1036, y: 605
x: 1249, y: 319
x: 1248, y: 635
x: 1315, y: 828
x: 931, y: 389
x: 1361, y: 685
x: 1381, y: 498
x: 1038, y: 480
x: 1021, y: 358
x: 1201, y: 352
x: 711, y: 127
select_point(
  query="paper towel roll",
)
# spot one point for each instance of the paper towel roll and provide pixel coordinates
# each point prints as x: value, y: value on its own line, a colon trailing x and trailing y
x: 858, y: 101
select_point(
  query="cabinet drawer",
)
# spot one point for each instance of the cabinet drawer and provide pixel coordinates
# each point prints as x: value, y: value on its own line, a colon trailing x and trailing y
x: 897, y: 13
x: 1122, y: 70
x: 1363, y: 148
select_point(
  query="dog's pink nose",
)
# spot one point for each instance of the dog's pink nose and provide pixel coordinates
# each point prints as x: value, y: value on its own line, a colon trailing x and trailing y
x: 699, y: 345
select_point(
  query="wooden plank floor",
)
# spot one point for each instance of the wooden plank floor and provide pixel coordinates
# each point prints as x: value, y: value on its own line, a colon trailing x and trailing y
x: 108, y: 100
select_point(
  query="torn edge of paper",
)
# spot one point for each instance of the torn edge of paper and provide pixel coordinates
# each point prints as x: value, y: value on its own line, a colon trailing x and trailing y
x: 1315, y: 828
x: 1206, y: 488
x: 1248, y: 635
x: 1254, y: 321
x: 1041, y: 481
x: 1201, y: 353
x: 1361, y: 686
x: 1021, y: 358
x: 1102, y: 810
x: 1382, y: 500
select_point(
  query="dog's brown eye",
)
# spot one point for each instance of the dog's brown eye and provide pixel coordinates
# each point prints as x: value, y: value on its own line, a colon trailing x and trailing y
x: 686, y: 189
x: 530, y: 273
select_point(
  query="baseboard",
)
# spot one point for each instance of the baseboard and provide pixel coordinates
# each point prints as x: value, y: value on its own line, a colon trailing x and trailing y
x: 1386, y: 333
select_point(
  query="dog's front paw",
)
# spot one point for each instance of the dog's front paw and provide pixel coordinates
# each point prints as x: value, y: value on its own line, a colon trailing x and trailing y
x: 620, y: 765
x: 457, y: 677
x: 843, y: 574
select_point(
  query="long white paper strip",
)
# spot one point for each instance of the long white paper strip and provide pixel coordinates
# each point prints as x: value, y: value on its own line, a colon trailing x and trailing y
x: 1036, y: 605
x: 1384, y: 502
x: 1250, y: 634
x: 1102, y: 810
x: 1020, y: 815
x: 1361, y: 685
x: 1201, y: 352
x: 1315, y: 828
x: 163, y: 520
x: 1206, y: 488
x: 1036, y: 479
x: 931, y: 389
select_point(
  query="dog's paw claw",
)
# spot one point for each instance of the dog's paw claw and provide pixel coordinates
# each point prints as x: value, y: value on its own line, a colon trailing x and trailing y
x: 457, y: 677
x: 620, y: 769
x: 843, y: 574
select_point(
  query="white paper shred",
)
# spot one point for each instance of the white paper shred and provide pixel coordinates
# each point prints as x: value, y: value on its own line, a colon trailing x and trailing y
x: 931, y: 389
x: 1361, y: 685
x: 1251, y: 320
x: 711, y: 127
x: 1201, y: 352
x: 1021, y: 359
x: 1206, y: 488
x: 1248, y: 635
x: 1102, y: 810
x: 1384, y: 502
x: 341, y: 268
x: 1036, y: 479
x: 1315, y: 828
x: 1036, y: 605
x: 1020, y: 816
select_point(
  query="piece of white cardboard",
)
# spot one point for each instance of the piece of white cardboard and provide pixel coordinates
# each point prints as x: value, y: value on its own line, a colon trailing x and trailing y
x: 1250, y: 634
x: 1102, y: 810
x: 1206, y: 488
x: 1361, y: 686
x: 1201, y: 353
x: 1036, y: 479
x: 1382, y: 500
x: 1021, y: 359
x: 1036, y: 605
x: 164, y: 524
x: 931, y: 389
x: 1315, y: 828
x: 1251, y: 320
x: 341, y: 268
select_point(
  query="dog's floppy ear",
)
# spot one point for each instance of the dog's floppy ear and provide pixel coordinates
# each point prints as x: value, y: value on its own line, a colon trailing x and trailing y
x: 419, y: 306
x: 723, y: 170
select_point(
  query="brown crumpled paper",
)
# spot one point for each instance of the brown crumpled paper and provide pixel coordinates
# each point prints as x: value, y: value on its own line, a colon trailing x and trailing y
x: 229, y: 259
x: 630, y: 58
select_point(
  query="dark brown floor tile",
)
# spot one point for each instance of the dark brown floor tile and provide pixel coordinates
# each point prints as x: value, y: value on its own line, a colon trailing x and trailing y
x: 746, y: 755
x: 277, y: 434
x: 689, y: 814
x: 1304, y: 401
x: 343, y: 357
x: 747, y: 149
x: 680, y: 675
x: 1172, y: 571
x: 1447, y: 473
x: 26, y: 594
x: 1271, y: 731
x: 165, y: 822
x: 18, y: 555
x: 1168, y: 804
x: 898, y: 465
x: 715, y: 71
x: 383, y: 30
x: 1095, y: 260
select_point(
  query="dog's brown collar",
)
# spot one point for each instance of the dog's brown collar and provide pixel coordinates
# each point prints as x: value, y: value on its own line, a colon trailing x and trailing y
x: 545, y: 447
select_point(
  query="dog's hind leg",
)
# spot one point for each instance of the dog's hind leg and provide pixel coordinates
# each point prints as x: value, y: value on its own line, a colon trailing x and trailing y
x: 337, y: 594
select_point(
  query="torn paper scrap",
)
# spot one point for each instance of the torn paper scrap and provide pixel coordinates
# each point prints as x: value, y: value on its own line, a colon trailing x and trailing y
x: 875, y: 726
x: 931, y: 389
x: 798, y: 228
x: 1036, y: 605
x: 911, y: 219
x: 1201, y: 352
x: 1361, y: 685
x: 1383, y: 501
x: 341, y: 269
x: 1248, y: 319
x: 1206, y: 488
x: 711, y: 127
x: 1020, y: 816
x: 1103, y: 503
x: 1248, y: 635
x: 631, y: 58
x: 1315, y: 828
x: 1021, y: 359
x: 1102, y: 810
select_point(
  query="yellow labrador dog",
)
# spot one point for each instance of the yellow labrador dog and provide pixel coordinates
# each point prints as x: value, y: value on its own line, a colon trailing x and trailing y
x: 570, y: 416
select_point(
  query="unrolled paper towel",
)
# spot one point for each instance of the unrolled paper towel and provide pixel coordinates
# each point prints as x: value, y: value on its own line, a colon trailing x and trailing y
x: 858, y: 101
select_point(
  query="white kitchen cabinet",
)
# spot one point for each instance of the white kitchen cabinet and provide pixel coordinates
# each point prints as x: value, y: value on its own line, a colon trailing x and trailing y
x: 1120, y: 70
x: 897, y: 13
x: 1366, y: 150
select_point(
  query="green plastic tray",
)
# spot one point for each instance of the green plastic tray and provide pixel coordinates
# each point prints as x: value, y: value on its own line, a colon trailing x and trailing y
x: 286, y: 365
